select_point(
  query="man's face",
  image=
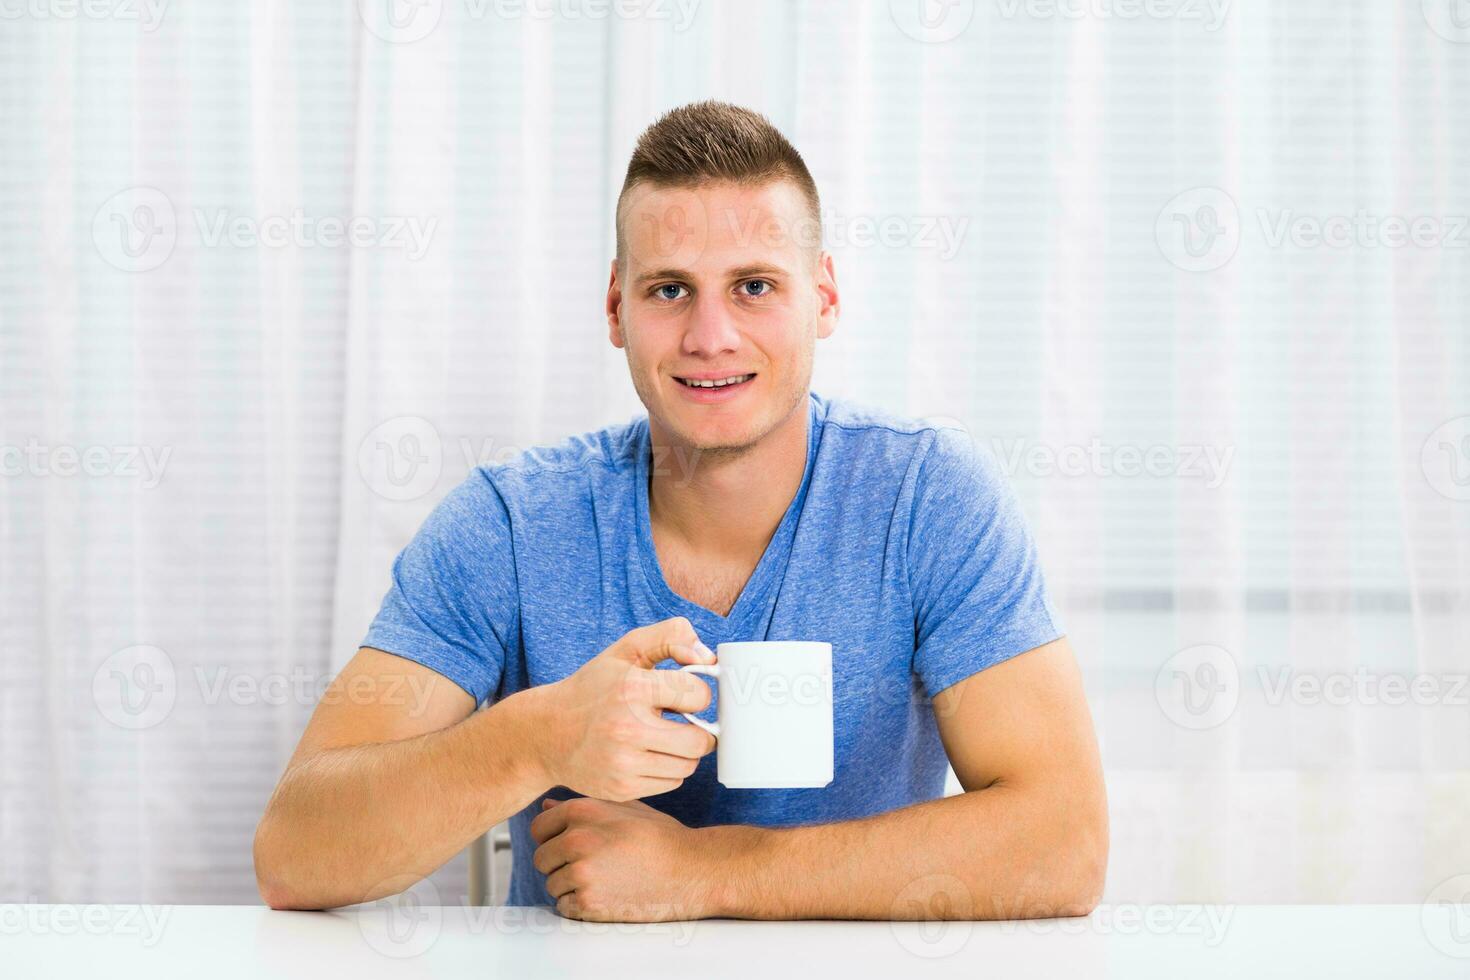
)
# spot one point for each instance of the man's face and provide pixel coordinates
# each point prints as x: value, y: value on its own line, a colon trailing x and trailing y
x: 721, y: 283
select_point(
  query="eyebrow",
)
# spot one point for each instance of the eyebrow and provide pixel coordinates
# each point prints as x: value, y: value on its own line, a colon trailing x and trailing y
x: 741, y: 272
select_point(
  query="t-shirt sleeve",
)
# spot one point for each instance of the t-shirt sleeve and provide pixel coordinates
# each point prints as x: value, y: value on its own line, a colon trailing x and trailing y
x: 979, y: 594
x: 453, y: 605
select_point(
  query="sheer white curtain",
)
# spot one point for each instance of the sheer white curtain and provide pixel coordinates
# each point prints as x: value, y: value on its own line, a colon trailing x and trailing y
x: 274, y: 277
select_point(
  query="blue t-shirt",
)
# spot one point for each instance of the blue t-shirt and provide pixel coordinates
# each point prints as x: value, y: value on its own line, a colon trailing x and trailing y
x: 903, y: 547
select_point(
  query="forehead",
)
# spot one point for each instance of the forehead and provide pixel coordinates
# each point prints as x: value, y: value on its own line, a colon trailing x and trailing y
x: 717, y: 225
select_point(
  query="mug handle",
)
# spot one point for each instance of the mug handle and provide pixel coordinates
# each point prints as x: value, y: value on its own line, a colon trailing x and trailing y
x: 708, y: 670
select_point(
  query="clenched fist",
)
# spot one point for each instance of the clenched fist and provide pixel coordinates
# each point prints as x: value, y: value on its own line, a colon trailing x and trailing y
x: 608, y: 738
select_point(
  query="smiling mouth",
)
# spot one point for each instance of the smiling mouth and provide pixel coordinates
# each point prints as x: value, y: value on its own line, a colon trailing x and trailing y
x: 733, y: 379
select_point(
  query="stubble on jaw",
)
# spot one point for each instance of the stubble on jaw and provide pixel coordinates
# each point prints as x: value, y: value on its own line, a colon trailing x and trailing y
x: 725, y: 453
x: 718, y: 454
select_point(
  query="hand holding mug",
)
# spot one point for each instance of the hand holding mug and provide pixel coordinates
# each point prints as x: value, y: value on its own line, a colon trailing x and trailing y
x: 606, y: 735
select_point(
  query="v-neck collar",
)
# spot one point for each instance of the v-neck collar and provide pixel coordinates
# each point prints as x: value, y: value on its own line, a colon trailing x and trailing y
x: 770, y: 568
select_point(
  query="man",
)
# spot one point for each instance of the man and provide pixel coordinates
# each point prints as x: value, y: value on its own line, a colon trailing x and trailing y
x: 563, y: 588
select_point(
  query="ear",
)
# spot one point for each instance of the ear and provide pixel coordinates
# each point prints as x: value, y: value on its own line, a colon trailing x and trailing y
x: 830, y: 302
x: 614, y: 308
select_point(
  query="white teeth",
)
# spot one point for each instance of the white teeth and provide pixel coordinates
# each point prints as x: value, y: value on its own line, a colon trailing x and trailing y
x: 720, y: 383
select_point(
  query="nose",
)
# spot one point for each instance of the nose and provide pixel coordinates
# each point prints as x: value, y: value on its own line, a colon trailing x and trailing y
x: 711, y: 330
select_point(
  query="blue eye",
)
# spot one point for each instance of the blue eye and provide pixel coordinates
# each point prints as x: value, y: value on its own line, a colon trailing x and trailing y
x: 662, y: 291
x: 765, y: 287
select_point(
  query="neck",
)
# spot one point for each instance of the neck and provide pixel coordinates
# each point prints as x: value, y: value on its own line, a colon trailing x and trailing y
x: 727, y: 503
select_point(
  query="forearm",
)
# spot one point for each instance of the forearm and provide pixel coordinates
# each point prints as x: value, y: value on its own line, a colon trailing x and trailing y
x: 999, y: 852
x: 352, y: 824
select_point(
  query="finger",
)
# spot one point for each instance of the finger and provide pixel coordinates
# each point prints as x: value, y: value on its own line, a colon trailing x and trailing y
x: 645, y: 786
x: 661, y: 766
x: 566, y: 906
x: 551, y: 855
x: 559, y: 883
x: 671, y: 639
x: 683, y: 652
x: 679, y: 738
x: 678, y: 691
x: 550, y: 822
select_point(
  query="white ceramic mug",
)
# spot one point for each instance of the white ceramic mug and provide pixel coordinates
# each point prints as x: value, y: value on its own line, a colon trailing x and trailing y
x: 775, y: 714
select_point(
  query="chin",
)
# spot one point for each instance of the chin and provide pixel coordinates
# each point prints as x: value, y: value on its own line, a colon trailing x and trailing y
x: 708, y: 438
x: 724, y: 428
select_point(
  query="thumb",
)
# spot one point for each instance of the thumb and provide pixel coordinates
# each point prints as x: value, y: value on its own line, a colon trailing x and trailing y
x: 693, y: 653
x: 672, y: 639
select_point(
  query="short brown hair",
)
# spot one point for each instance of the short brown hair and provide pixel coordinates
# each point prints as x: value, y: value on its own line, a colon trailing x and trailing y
x: 710, y: 141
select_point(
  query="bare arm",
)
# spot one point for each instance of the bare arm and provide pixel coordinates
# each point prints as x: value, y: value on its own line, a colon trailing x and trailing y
x: 1028, y: 838
x: 393, y: 776
x: 396, y: 772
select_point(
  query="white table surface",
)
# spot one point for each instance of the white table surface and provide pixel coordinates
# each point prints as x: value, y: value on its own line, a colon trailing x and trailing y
x: 1305, y: 941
